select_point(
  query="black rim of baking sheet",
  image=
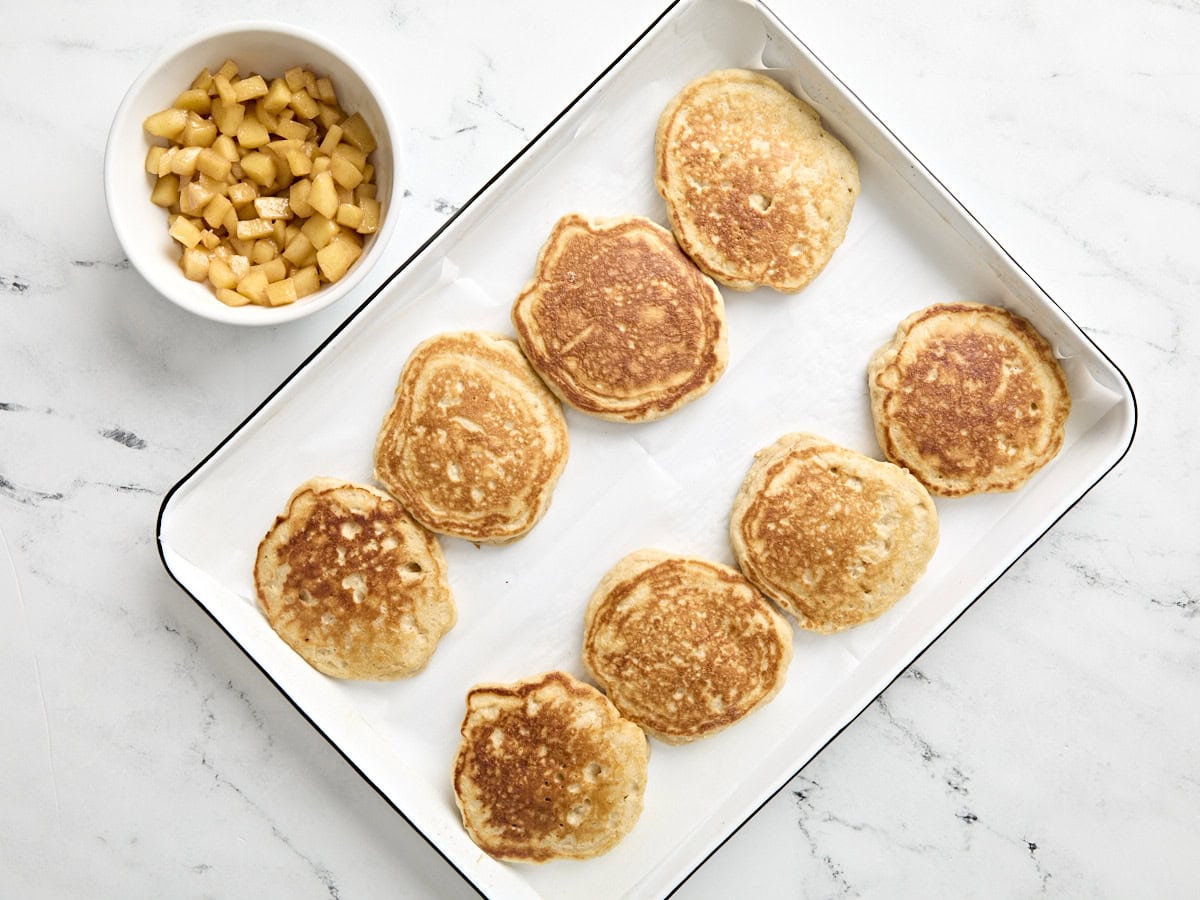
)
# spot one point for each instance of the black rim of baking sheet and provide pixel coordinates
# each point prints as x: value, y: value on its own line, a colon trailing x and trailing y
x: 437, y: 234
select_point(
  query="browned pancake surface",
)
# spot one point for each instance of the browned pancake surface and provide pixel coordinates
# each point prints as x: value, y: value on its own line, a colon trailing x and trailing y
x: 758, y: 193
x: 548, y: 769
x: 618, y: 321
x: 352, y: 583
x: 474, y: 442
x: 969, y: 398
x: 835, y: 537
x: 682, y: 646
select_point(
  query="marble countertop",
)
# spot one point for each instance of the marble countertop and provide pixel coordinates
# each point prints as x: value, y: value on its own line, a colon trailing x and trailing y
x: 1046, y: 744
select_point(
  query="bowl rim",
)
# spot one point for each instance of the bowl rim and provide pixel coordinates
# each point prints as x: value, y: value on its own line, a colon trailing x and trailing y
x: 115, y: 201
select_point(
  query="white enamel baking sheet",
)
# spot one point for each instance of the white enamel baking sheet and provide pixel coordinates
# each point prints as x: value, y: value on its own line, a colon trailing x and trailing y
x: 797, y: 364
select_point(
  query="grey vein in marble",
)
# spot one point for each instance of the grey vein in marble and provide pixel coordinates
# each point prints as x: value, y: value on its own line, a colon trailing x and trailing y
x: 125, y: 438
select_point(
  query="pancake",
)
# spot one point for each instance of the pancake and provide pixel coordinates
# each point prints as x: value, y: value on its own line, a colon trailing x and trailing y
x: 548, y: 769
x: 969, y: 398
x: 834, y: 537
x: 758, y: 193
x: 352, y: 583
x: 682, y: 646
x: 618, y: 321
x: 474, y: 442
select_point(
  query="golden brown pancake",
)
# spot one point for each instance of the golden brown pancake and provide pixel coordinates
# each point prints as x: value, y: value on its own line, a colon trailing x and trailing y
x: 619, y: 322
x: 682, y: 646
x: 548, y: 769
x: 758, y: 193
x: 968, y: 398
x: 834, y: 537
x: 352, y: 583
x: 474, y: 442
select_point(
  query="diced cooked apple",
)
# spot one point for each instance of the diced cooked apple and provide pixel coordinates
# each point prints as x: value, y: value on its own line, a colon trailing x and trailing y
x: 169, y: 123
x: 166, y: 191
x: 264, y: 251
x: 349, y: 215
x: 292, y: 130
x: 329, y: 114
x: 345, y: 173
x: 213, y: 164
x: 277, y: 97
x: 239, y: 265
x: 253, y: 229
x: 358, y: 134
x: 325, y: 91
x: 254, y: 286
x: 252, y: 134
x: 370, y: 221
x: 259, y: 167
x: 224, y: 89
x: 227, y: 116
x: 242, y: 194
x: 194, y: 100
x: 351, y: 154
x: 232, y: 298
x: 266, y: 181
x: 221, y: 275
x: 338, y: 255
x: 306, y: 280
x: 275, y: 268
x: 153, y: 155
x: 304, y: 105
x: 203, y: 81
x: 323, y: 196
x: 194, y: 263
x: 299, y: 251
x: 319, y: 230
x: 249, y: 88
x: 184, y: 231
x: 282, y: 292
x: 198, y: 132
x: 294, y: 78
x: 332, y: 138
x: 298, y: 198
x: 299, y: 163
x: 194, y: 198
x: 272, y: 208
x: 225, y: 146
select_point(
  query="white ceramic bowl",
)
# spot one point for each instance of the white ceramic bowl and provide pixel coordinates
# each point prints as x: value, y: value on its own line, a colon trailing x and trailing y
x: 267, y: 48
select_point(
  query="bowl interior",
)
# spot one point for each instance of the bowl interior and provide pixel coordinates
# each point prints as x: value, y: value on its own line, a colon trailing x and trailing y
x: 142, y: 227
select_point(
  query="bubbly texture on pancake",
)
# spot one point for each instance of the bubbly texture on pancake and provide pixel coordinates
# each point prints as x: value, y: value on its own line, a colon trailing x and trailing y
x: 548, y: 769
x: 757, y: 191
x: 474, y: 442
x: 969, y: 398
x: 619, y: 322
x: 682, y: 646
x: 835, y: 537
x: 352, y: 583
